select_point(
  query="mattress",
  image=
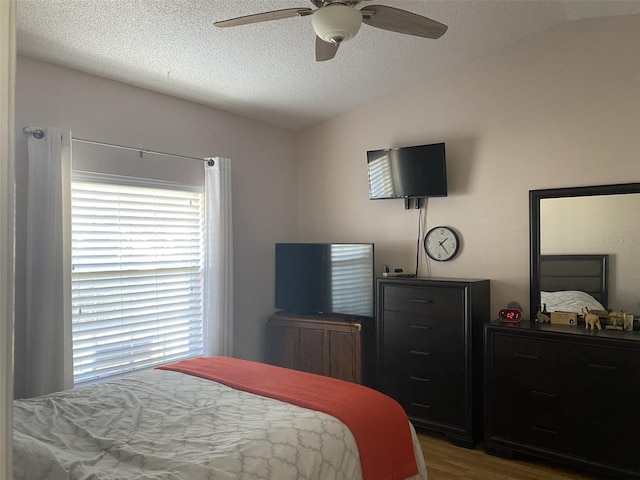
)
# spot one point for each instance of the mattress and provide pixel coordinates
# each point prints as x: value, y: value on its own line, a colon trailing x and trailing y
x: 163, y: 424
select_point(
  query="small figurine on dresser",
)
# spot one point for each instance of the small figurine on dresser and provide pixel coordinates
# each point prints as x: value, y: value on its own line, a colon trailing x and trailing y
x: 543, y: 316
x: 591, y: 320
x: 628, y: 322
x: 616, y: 321
x: 620, y: 321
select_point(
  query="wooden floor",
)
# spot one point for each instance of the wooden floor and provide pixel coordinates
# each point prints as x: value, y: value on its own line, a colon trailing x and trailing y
x: 447, y: 462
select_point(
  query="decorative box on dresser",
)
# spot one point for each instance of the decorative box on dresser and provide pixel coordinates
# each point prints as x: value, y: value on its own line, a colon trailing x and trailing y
x: 564, y: 393
x: 429, y: 337
x: 326, y: 345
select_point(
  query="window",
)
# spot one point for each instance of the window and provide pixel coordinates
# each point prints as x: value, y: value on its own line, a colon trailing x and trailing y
x: 137, y: 274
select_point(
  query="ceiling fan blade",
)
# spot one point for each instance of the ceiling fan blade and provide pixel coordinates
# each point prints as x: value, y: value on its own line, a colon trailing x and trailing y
x: 401, y: 21
x: 325, y: 50
x: 264, y: 17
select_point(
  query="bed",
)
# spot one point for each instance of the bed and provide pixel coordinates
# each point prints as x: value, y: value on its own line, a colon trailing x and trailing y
x: 216, y: 418
x: 569, y: 283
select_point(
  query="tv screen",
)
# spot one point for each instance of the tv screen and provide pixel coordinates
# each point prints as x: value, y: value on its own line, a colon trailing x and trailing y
x: 335, y: 278
x: 406, y: 172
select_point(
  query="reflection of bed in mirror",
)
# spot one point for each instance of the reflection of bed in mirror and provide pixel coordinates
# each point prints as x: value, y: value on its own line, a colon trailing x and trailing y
x: 569, y: 283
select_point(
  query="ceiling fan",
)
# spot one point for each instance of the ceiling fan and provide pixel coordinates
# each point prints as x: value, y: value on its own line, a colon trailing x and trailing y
x: 336, y: 21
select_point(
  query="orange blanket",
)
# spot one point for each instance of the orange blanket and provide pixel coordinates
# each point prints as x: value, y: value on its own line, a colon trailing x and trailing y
x: 377, y: 422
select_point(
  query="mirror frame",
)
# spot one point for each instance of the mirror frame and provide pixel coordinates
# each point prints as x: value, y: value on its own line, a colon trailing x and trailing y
x: 535, y: 196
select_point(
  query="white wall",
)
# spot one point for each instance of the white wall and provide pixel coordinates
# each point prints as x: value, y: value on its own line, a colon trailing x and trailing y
x: 558, y: 109
x: 263, y: 158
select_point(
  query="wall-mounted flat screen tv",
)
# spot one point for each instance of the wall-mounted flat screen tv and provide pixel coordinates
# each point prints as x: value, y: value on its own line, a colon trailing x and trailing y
x: 408, y: 172
x: 327, y: 278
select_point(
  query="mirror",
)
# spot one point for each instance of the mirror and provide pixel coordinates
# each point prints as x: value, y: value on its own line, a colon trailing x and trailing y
x: 595, y: 220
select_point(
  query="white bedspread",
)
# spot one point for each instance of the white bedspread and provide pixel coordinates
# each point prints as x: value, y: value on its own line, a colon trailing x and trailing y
x: 168, y: 425
x: 569, y: 301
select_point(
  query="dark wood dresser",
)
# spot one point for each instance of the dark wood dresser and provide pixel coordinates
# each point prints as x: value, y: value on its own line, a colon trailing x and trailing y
x: 316, y: 344
x: 564, y: 393
x: 429, y: 337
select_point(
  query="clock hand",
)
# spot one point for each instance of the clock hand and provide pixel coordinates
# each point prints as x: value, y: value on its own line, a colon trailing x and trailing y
x: 445, y: 250
x: 443, y: 241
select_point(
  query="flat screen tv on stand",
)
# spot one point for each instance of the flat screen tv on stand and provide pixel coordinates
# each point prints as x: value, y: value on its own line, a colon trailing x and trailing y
x: 325, y: 278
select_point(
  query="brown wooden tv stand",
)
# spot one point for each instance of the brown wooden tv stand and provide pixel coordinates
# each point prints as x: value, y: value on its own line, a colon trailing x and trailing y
x: 326, y: 345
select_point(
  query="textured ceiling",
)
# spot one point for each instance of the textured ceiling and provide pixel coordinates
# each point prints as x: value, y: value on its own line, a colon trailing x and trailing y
x: 267, y: 71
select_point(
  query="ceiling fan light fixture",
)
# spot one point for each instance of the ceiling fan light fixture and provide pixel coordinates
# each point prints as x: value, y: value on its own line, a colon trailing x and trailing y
x: 336, y: 23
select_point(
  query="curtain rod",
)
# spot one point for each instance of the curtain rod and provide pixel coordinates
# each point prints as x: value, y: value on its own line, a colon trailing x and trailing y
x: 39, y: 133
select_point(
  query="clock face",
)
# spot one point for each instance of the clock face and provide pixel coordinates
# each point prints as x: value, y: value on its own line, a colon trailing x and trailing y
x: 441, y: 243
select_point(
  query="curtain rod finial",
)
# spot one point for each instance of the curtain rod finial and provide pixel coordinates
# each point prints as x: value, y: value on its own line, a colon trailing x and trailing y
x: 36, y: 132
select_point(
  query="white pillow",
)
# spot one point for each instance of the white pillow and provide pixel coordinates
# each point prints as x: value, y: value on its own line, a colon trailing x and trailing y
x: 569, y: 301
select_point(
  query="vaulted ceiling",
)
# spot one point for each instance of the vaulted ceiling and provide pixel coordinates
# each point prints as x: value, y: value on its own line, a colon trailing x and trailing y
x: 268, y: 71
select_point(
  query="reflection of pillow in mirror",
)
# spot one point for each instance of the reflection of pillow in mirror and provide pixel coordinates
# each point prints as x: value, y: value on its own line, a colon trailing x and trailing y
x: 569, y: 301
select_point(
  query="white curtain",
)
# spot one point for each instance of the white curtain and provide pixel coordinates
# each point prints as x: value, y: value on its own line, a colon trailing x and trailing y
x: 7, y: 229
x: 49, y: 349
x: 218, y: 299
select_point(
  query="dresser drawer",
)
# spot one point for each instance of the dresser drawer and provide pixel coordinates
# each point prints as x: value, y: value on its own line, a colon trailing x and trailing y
x: 525, y: 354
x: 426, y: 394
x: 423, y: 340
x: 608, y: 386
x: 527, y: 364
x: 610, y: 439
x: 603, y: 368
x: 524, y: 384
x: 522, y: 399
x: 426, y: 300
x: 545, y: 430
x: 422, y: 376
x: 449, y: 413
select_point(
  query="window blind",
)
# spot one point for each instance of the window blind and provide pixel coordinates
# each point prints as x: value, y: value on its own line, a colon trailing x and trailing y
x: 137, y: 275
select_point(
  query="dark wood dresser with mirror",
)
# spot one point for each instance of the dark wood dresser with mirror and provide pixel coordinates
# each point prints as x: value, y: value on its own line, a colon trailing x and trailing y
x: 563, y: 392
x: 429, y: 337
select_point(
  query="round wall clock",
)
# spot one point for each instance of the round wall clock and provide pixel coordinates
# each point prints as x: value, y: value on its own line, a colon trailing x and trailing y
x: 441, y: 243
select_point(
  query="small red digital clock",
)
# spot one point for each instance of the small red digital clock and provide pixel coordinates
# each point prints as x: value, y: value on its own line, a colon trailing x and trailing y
x: 511, y: 315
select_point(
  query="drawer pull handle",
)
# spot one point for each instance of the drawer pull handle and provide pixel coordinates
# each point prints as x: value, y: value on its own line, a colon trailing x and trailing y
x: 421, y: 405
x: 421, y: 327
x: 544, y: 394
x: 597, y: 366
x: 420, y: 379
x: 526, y: 355
x: 546, y: 430
x: 420, y: 300
x: 421, y: 354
